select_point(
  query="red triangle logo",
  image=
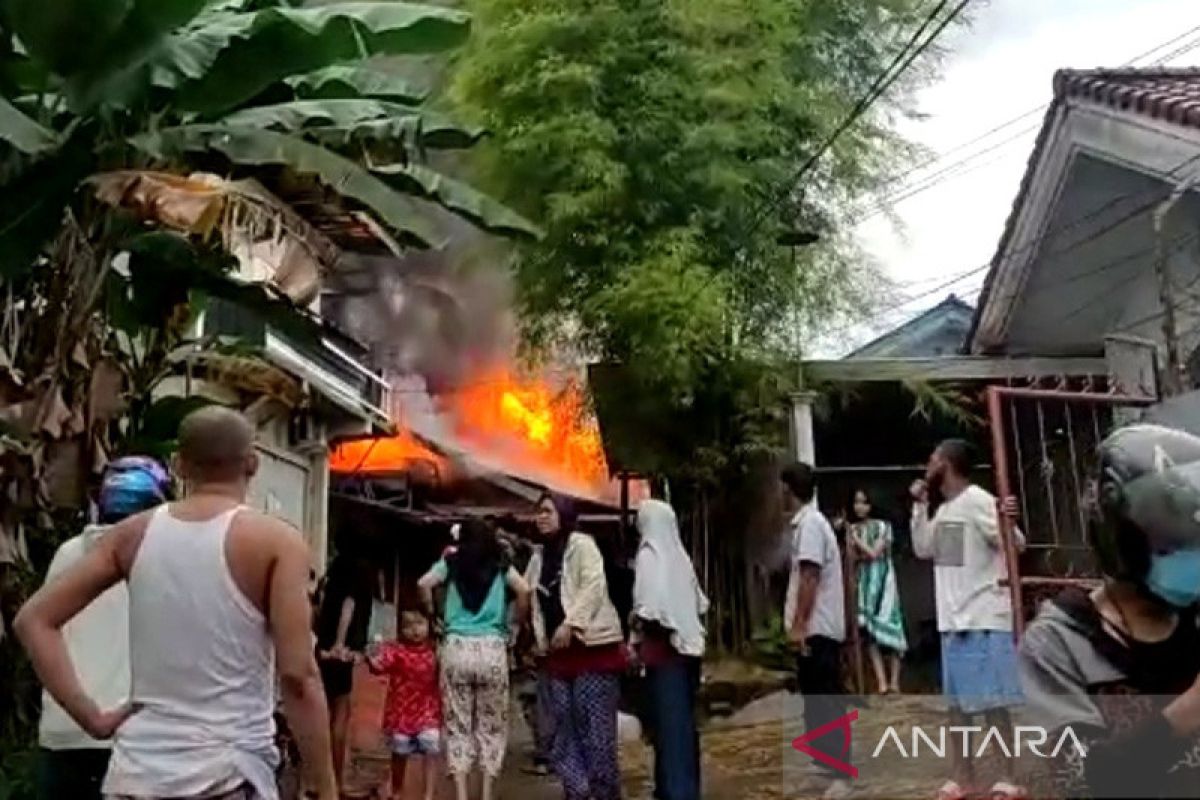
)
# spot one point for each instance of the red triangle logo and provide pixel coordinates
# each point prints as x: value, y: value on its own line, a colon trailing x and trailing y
x: 803, y: 744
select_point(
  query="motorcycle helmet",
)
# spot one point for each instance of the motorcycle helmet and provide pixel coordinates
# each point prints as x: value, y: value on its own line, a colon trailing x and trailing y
x: 130, y: 485
x: 1146, y: 499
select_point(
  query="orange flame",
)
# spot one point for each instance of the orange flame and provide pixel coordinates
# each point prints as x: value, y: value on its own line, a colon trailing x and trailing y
x: 522, y: 424
x: 381, y: 455
x: 527, y: 423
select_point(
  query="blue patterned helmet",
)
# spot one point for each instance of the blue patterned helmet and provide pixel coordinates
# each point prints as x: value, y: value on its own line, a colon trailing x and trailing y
x: 130, y: 485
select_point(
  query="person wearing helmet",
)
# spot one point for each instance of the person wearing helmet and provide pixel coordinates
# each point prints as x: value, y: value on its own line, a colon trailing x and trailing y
x: 1119, y: 666
x: 71, y: 763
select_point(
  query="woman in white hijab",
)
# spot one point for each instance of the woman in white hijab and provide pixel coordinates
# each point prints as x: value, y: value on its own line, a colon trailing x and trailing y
x: 668, y: 606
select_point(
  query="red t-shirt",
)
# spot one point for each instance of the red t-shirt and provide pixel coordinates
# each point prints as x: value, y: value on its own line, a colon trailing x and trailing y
x: 414, y: 703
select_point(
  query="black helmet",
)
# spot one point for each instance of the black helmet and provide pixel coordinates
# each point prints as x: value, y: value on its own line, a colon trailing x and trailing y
x: 1147, y: 498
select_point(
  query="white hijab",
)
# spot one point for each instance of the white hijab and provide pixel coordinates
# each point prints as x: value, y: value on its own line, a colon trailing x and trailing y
x: 666, y: 590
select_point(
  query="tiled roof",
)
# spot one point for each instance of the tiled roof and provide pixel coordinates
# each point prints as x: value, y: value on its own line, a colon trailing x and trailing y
x: 1170, y: 94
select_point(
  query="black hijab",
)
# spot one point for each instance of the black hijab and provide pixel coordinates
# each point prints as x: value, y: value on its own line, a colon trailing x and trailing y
x: 556, y: 545
x: 550, y: 581
x: 475, y: 563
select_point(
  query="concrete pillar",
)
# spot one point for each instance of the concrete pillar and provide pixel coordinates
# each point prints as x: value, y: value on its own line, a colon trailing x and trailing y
x: 316, y: 523
x: 803, y: 446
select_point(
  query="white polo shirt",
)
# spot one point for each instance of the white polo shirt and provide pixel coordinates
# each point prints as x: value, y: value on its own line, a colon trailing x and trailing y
x: 813, y: 542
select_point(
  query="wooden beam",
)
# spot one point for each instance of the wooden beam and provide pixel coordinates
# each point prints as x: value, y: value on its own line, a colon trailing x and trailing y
x: 950, y: 368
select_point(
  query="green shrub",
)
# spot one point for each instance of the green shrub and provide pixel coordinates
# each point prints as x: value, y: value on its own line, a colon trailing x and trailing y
x: 771, y: 648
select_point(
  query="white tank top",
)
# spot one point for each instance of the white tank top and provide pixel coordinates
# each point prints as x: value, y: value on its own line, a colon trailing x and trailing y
x: 203, y: 669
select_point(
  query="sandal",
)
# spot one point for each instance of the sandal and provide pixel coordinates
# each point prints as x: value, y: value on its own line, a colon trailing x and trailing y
x: 950, y: 791
x: 1003, y: 790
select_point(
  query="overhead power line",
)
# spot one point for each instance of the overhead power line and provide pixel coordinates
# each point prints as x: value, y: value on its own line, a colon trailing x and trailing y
x: 912, y: 49
x: 903, y: 190
x: 1152, y: 197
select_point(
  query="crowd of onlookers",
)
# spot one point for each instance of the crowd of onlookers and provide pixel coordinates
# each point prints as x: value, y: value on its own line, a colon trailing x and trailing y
x: 172, y: 631
x: 561, y: 611
x: 169, y: 634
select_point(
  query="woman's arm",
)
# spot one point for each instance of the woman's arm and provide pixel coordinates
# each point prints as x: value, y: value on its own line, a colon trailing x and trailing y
x: 430, y: 581
x: 338, y: 649
x: 521, y: 593
x: 857, y: 543
x: 885, y: 541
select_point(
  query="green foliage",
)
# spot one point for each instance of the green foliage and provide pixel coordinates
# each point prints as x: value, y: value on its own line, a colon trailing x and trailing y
x: 98, y: 302
x: 651, y: 141
x: 943, y: 401
x: 358, y: 118
x: 22, y: 132
x: 222, y: 84
x: 18, y: 770
x: 229, y: 52
x: 771, y: 648
x: 343, y: 81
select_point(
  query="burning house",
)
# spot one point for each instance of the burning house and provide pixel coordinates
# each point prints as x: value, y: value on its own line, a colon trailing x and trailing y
x: 476, y: 436
x: 486, y: 449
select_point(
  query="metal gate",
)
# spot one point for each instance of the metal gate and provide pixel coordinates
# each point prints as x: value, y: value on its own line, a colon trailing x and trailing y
x: 1044, y: 444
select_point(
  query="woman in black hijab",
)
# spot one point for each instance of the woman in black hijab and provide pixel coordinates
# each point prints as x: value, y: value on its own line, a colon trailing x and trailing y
x: 578, y: 631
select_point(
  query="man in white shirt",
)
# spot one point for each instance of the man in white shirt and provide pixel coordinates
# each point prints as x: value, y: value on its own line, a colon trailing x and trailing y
x: 974, y: 611
x: 814, y: 612
x: 71, y: 763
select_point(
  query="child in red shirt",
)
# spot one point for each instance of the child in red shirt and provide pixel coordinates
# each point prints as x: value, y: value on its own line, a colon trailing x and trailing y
x: 412, y: 716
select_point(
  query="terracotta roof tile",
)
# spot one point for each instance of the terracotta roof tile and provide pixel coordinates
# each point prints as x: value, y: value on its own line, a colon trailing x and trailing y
x: 1170, y: 94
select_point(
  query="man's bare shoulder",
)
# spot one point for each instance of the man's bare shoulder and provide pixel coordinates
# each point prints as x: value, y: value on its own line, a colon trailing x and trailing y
x: 124, y: 539
x: 268, y: 532
x: 258, y: 545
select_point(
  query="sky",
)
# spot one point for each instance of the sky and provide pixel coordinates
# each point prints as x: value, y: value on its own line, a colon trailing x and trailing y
x: 998, y: 67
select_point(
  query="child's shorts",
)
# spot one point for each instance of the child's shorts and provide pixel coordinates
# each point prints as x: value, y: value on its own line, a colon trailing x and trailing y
x: 425, y: 743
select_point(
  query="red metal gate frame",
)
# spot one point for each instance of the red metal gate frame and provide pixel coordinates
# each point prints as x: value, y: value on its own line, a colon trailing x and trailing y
x: 995, y: 398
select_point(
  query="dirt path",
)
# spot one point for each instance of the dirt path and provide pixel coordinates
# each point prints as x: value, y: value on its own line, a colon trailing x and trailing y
x: 750, y: 761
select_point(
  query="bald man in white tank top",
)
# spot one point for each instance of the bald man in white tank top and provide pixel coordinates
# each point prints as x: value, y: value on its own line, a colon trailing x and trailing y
x: 218, y: 607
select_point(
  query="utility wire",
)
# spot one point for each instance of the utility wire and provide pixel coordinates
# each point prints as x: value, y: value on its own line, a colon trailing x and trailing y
x: 1155, y: 194
x: 903, y: 192
x: 1038, y: 109
x: 903, y: 59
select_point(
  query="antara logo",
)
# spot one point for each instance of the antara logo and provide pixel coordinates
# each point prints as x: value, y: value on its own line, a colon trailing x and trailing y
x: 802, y: 744
x: 1021, y: 739
x: 1031, y: 738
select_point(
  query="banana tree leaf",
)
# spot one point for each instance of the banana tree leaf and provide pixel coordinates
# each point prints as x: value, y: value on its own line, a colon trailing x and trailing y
x: 456, y: 196
x: 224, y: 58
x: 97, y: 42
x: 258, y: 147
x: 157, y: 429
x: 23, y: 132
x: 66, y: 35
x: 344, y: 81
x: 342, y: 121
x: 32, y: 203
x: 436, y: 133
x: 20, y: 74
